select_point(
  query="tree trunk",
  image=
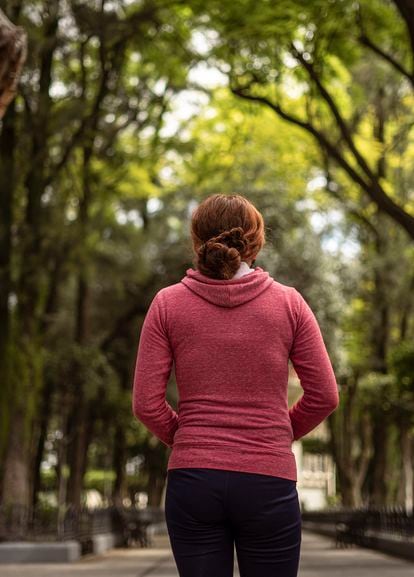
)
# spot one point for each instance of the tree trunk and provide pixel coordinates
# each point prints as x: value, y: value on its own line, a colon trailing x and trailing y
x: 16, y: 484
x: 346, y: 463
x: 156, y: 482
x: 43, y: 414
x: 77, y: 452
x: 380, y: 462
x: 7, y: 146
x: 407, y: 467
x: 79, y: 420
x: 351, y: 467
x: 27, y: 374
x: 119, y: 463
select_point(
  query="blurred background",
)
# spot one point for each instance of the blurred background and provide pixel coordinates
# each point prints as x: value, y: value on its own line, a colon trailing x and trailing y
x: 127, y: 114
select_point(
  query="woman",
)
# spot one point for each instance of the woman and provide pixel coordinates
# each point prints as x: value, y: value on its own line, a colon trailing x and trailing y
x: 230, y: 330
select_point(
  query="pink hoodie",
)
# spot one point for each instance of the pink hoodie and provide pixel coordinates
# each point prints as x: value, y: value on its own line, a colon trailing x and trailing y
x: 230, y: 342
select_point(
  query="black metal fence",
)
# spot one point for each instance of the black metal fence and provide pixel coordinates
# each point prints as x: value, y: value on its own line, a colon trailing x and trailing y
x: 49, y: 524
x: 358, y: 524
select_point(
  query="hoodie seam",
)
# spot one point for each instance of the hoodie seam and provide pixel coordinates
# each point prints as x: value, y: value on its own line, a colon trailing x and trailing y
x: 227, y: 291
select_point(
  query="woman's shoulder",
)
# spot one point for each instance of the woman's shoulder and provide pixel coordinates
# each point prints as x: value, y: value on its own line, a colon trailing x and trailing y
x: 170, y: 294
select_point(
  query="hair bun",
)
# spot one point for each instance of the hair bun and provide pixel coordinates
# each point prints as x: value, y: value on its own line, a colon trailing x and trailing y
x: 222, y: 253
x: 235, y: 237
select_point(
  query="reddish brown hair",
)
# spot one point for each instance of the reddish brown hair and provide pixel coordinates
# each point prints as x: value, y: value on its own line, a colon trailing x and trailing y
x: 225, y: 229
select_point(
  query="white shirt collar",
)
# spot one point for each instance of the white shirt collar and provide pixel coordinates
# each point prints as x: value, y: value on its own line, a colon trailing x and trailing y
x: 243, y: 269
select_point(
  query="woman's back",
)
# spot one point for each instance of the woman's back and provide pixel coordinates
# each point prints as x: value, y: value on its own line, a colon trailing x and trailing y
x: 230, y: 341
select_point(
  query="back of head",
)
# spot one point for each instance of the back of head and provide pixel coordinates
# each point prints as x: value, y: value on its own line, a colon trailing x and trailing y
x: 225, y: 229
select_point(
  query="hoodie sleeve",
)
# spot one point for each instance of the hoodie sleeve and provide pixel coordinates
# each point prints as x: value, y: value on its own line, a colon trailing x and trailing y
x: 152, y: 371
x: 312, y: 365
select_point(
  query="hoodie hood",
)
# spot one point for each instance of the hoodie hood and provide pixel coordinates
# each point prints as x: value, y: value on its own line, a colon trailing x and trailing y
x: 228, y: 292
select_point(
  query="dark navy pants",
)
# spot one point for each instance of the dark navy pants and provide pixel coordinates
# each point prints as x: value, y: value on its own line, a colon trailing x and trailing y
x: 210, y: 511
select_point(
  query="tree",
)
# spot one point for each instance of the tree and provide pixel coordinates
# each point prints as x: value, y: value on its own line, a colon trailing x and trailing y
x: 77, y: 98
x: 317, y: 48
x: 402, y: 365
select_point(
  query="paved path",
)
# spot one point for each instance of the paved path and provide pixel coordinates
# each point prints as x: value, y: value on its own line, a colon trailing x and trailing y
x: 319, y: 558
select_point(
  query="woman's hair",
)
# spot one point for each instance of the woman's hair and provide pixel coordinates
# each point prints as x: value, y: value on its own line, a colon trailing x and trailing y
x: 225, y: 229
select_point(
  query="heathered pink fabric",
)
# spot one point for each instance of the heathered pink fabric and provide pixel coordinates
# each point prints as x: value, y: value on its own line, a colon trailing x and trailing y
x: 230, y: 342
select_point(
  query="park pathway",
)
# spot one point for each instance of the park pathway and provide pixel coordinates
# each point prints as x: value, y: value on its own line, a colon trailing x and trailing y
x: 319, y: 559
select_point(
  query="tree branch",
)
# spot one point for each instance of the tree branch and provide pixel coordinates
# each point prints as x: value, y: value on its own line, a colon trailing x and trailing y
x: 317, y: 134
x: 352, y: 210
x: 336, y: 113
x: 365, y: 41
x: 406, y: 10
x: 374, y: 191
